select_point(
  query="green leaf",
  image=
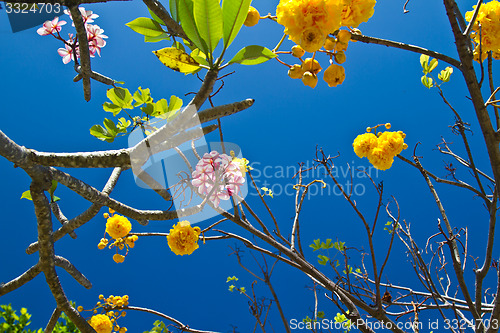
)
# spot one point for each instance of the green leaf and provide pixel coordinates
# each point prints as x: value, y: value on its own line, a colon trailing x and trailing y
x: 427, y: 81
x: 322, y: 260
x: 26, y: 195
x: 177, y: 60
x: 208, y: 18
x: 123, y: 124
x: 339, y: 246
x: 52, y: 188
x: 146, y: 26
x: 445, y: 74
x: 234, y: 278
x: 328, y: 244
x: 200, y: 57
x: 120, y: 97
x: 149, y: 109
x: 155, y: 17
x: 175, y: 103
x: 163, y: 36
x: 110, y: 127
x: 253, y: 55
x: 110, y: 107
x: 174, y: 9
x: 161, y: 107
x: 424, y: 62
x: 142, y: 96
x: 316, y: 245
x: 101, y: 133
x: 188, y: 23
x: 234, y: 13
x: 432, y: 65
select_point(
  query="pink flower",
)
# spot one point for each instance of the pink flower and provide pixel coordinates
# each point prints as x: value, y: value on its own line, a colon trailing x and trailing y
x: 96, y: 39
x: 67, y: 53
x: 218, y: 176
x: 51, y: 26
x: 87, y: 15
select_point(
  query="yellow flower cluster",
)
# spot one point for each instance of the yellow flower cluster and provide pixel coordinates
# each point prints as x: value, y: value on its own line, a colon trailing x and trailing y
x: 112, y: 308
x: 488, y: 22
x: 355, y: 12
x: 101, y: 323
x: 308, y: 22
x: 308, y: 70
x: 118, y: 227
x: 183, y: 239
x: 380, y: 149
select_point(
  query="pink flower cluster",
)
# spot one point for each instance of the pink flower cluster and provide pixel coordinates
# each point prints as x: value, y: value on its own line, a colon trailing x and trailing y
x: 218, y: 177
x: 95, y: 35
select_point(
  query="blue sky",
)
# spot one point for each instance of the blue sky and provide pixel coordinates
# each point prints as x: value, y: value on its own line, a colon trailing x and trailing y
x: 44, y: 110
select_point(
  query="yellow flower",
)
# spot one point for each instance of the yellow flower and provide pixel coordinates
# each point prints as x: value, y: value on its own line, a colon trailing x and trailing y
x: 364, y: 143
x: 312, y: 39
x: 118, y: 258
x: 307, y: 22
x: 380, y: 158
x: 392, y: 142
x: 354, y: 12
x: 183, y: 239
x: 101, y: 323
x: 311, y: 65
x: 334, y: 75
x: 380, y: 150
x: 118, y: 226
x: 130, y: 241
x: 488, y: 20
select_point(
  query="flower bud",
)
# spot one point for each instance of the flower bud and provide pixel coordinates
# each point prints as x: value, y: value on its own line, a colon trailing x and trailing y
x: 340, y: 57
x: 311, y: 65
x: 329, y: 43
x: 295, y: 72
x: 298, y: 51
x: 309, y: 79
x: 253, y: 17
x: 334, y: 75
x: 344, y: 36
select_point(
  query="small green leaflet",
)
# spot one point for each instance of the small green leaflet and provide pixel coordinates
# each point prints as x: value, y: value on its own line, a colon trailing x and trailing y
x: 146, y: 26
x: 252, y: 55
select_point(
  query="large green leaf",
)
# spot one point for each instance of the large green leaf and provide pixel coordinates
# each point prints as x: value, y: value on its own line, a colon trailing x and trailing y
x: 234, y: 13
x: 146, y: 26
x: 155, y: 17
x: 186, y: 16
x: 174, y: 9
x: 208, y: 18
x: 163, y: 36
x: 253, y: 55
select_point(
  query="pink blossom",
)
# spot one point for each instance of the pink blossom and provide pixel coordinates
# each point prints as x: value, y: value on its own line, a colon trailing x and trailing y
x: 51, y: 26
x: 87, y: 15
x: 218, y: 176
x: 96, y: 39
x: 66, y: 53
